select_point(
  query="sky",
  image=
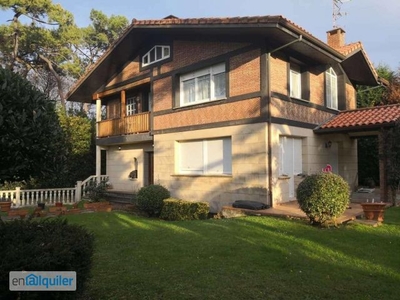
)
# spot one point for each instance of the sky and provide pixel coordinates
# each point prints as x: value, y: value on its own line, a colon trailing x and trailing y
x: 376, y: 23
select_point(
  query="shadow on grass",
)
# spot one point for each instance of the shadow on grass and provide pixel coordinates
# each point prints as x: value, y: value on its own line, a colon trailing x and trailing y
x: 252, y: 257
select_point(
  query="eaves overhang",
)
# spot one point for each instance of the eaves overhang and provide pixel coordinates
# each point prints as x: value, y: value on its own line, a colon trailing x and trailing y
x: 359, y: 70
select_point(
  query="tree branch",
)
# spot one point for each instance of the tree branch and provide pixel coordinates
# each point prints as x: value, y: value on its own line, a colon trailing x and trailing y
x: 57, y: 77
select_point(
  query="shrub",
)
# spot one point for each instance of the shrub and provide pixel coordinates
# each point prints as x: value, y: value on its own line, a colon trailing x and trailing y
x: 177, y: 210
x: 45, y: 245
x: 323, y: 197
x: 95, y: 191
x: 150, y: 199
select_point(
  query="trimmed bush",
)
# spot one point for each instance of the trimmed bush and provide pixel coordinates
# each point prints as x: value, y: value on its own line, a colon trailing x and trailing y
x: 177, y: 210
x: 323, y: 197
x: 96, y: 191
x: 150, y: 199
x: 45, y: 245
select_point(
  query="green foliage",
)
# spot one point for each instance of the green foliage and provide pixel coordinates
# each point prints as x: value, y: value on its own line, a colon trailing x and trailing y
x: 391, y: 154
x: 367, y: 96
x: 368, y: 160
x: 177, y: 210
x: 24, y: 184
x: 44, y: 246
x: 96, y: 190
x: 79, y: 132
x: 150, y: 199
x: 31, y: 138
x: 323, y: 197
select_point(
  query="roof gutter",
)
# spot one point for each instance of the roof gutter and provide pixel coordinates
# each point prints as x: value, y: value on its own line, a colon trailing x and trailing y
x: 269, y: 93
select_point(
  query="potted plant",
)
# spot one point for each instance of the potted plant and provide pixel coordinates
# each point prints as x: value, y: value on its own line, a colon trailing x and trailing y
x: 42, y: 205
x: 374, y: 210
x: 5, y: 204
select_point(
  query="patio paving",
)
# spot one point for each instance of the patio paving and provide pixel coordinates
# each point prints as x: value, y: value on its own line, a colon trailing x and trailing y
x: 292, y: 209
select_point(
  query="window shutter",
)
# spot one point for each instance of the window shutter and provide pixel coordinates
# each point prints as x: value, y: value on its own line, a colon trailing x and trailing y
x: 191, y: 157
x: 215, y: 156
x: 305, y: 85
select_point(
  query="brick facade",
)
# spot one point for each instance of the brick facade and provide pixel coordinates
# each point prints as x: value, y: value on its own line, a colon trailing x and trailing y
x: 162, y: 94
x: 295, y: 112
x: 244, y: 73
x: 210, y: 114
x: 186, y: 53
x: 131, y: 70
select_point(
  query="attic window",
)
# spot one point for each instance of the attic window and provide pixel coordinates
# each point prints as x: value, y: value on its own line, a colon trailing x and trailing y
x: 157, y: 53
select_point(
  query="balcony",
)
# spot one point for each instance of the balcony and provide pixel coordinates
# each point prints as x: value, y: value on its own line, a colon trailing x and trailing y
x: 136, y: 123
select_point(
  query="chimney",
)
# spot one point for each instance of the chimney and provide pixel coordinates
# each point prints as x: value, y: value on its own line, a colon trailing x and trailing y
x: 336, y: 38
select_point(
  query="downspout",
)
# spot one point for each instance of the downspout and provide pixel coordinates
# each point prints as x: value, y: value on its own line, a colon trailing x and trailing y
x: 299, y: 39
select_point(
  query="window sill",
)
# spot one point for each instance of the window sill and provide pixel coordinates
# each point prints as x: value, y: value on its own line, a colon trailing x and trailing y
x: 202, y: 175
x: 200, y: 102
x: 300, y: 99
x: 333, y: 109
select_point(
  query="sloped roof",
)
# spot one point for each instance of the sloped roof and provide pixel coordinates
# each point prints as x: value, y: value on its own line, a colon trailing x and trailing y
x: 362, y: 119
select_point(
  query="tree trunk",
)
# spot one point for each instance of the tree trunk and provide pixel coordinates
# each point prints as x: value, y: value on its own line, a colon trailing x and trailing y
x: 14, y: 54
x: 58, y: 80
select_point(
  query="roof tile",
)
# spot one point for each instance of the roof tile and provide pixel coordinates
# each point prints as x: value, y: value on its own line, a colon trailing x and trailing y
x: 379, y: 115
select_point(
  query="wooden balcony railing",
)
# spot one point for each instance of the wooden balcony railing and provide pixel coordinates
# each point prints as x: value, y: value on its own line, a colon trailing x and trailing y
x: 131, y: 124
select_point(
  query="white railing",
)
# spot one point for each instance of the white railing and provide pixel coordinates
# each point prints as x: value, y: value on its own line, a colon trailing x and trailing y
x: 51, y: 196
x: 89, y: 181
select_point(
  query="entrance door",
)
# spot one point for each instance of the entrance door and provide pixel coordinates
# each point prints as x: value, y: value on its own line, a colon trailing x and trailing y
x: 150, y: 178
x: 290, y: 161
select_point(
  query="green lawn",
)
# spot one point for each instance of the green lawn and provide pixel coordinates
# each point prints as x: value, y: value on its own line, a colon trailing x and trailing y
x: 244, y: 258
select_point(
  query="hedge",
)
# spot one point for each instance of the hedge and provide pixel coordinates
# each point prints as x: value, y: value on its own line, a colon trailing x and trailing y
x: 177, y: 210
x: 45, y: 245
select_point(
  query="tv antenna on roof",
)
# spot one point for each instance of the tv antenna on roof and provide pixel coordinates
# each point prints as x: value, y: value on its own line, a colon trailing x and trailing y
x: 337, y: 11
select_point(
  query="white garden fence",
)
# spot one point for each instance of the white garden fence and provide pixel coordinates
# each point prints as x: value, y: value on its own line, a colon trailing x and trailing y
x: 51, y: 196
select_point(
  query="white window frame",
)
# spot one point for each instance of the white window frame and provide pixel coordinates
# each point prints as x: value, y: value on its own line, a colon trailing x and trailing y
x: 131, y: 105
x: 331, y: 86
x: 209, y: 160
x: 212, y: 71
x: 295, y: 81
x: 165, y: 53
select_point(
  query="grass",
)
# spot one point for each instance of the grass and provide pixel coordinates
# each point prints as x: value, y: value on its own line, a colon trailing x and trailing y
x: 243, y: 258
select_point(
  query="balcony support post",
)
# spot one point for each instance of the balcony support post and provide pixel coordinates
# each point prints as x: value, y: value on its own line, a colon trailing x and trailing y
x: 98, y: 149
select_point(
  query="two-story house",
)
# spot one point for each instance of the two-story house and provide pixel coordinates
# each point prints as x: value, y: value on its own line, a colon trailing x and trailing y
x: 224, y: 109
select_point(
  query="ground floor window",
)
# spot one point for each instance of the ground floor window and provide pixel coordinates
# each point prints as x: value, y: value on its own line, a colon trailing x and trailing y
x: 290, y: 156
x: 211, y: 156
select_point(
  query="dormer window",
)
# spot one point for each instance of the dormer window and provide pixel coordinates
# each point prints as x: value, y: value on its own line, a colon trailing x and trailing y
x: 156, y: 54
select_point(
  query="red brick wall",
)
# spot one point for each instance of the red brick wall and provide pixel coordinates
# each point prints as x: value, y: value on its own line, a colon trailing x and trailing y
x: 130, y: 71
x: 279, y: 76
x: 317, y: 87
x: 210, y: 114
x: 162, y: 94
x: 244, y: 75
x: 350, y: 97
x: 186, y: 53
x: 296, y: 112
